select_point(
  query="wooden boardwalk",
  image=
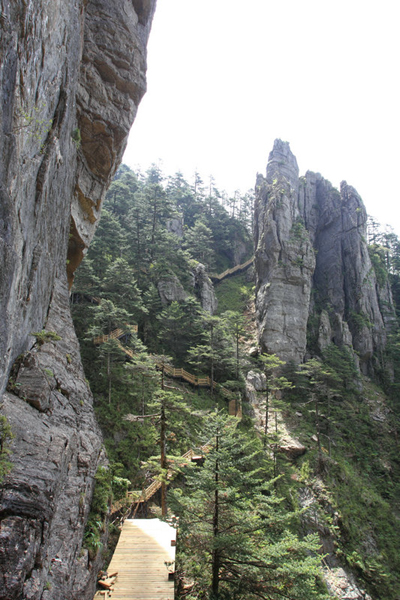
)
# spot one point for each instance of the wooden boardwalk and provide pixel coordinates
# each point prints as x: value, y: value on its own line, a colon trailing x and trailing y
x: 168, y: 369
x: 139, y: 559
x: 216, y: 278
x: 140, y: 497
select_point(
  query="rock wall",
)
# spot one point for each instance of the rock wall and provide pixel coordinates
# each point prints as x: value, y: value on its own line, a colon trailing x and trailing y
x: 72, y: 75
x: 284, y: 259
x: 312, y: 259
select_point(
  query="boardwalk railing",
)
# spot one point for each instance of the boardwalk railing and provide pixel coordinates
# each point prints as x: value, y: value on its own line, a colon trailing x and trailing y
x: 233, y: 271
x: 115, y: 335
x: 138, y: 497
x: 197, y: 381
x: 170, y: 371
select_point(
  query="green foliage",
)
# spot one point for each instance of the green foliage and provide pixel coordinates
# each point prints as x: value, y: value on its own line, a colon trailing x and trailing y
x: 181, y: 326
x: 359, y: 320
x: 234, y: 293
x: 298, y: 232
x: 236, y: 539
x: 199, y: 240
x: 6, y: 435
x: 34, y: 123
x: 341, y: 361
x: 108, y: 487
x: 44, y: 336
x: 138, y: 244
x: 214, y: 355
x: 363, y: 471
x: 76, y: 136
x: 377, y: 255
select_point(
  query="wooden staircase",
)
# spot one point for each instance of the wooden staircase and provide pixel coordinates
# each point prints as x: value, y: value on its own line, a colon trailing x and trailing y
x: 140, y: 497
x: 170, y: 371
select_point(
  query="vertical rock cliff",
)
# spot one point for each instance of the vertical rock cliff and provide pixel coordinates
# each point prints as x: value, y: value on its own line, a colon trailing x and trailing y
x: 312, y: 260
x: 72, y: 75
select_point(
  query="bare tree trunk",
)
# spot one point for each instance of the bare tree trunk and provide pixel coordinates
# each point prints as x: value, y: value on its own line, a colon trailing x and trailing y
x: 318, y: 431
x: 276, y: 446
x: 163, y: 460
x: 109, y: 377
x: 266, y: 416
x: 212, y: 359
x: 216, y: 551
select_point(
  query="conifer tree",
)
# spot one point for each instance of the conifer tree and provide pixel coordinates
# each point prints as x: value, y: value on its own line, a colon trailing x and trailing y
x: 199, y: 242
x: 214, y: 354
x: 235, y: 536
x: 272, y: 366
x: 236, y: 327
x: 322, y: 383
x: 106, y: 318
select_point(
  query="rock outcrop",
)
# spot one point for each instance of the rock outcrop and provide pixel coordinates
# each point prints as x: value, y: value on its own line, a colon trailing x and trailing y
x: 204, y: 289
x: 170, y: 290
x: 72, y: 75
x: 312, y: 258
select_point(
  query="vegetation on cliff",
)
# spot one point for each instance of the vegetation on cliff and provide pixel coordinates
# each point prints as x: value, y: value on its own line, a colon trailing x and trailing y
x: 139, y: 280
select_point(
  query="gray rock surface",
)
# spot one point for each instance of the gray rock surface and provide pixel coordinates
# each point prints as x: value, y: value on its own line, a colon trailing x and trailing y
x: 72, y: 74
x: 45, y: 500
x: 284, y: 259
x: 324, y: 331
x: 175, y: 226
x: 170, y: 290
x: 312, y: 256
x: 204, y: 289
x: 257, y: 380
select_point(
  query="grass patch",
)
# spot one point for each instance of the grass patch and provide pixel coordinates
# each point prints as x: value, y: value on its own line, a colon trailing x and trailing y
x: 363, y: 476
x: 233, y: 293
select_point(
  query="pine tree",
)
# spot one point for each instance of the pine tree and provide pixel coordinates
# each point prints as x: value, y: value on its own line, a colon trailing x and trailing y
x: 214, y: 354
x: 106, y: 318
x: 199, y: 242
x: 236, y: 326
x: 119, y: 286
x: 171, y: 410
x: 235, y: 536
x: 322, y: 383
x: 272, y: 366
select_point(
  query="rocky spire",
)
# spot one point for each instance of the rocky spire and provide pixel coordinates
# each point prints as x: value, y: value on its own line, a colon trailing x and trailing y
x: 312, y: 258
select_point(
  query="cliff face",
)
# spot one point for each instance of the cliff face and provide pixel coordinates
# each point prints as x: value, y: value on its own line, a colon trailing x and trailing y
x: 312, y: 259
x: 72, y: 75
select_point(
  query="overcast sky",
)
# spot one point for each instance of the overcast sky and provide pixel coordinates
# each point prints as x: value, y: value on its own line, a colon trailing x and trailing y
x: 227, y: 77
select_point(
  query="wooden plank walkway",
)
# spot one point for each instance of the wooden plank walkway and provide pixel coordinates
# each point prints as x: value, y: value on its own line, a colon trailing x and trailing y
x: 143, y: 548
x: 238, y: 269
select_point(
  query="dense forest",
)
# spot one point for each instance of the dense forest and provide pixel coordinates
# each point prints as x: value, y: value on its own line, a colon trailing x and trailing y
x: 263, y: 517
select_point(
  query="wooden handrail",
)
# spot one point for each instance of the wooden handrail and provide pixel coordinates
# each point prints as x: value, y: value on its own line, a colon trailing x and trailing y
x: 237, y: 269
x: 114, y: 335
x: 156, y: 485
x: 168, y: 369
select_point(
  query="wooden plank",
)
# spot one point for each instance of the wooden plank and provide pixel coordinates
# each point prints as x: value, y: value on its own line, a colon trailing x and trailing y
x: 143, y: 548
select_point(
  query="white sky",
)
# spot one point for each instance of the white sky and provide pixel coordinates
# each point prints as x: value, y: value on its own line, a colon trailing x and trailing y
x: 227, y: 77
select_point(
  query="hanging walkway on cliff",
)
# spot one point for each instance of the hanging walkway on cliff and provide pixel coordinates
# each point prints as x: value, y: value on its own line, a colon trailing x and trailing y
x: 137, y: 498
x: 170, y: 371
x: 230, y: 272
x: 143, y: 562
